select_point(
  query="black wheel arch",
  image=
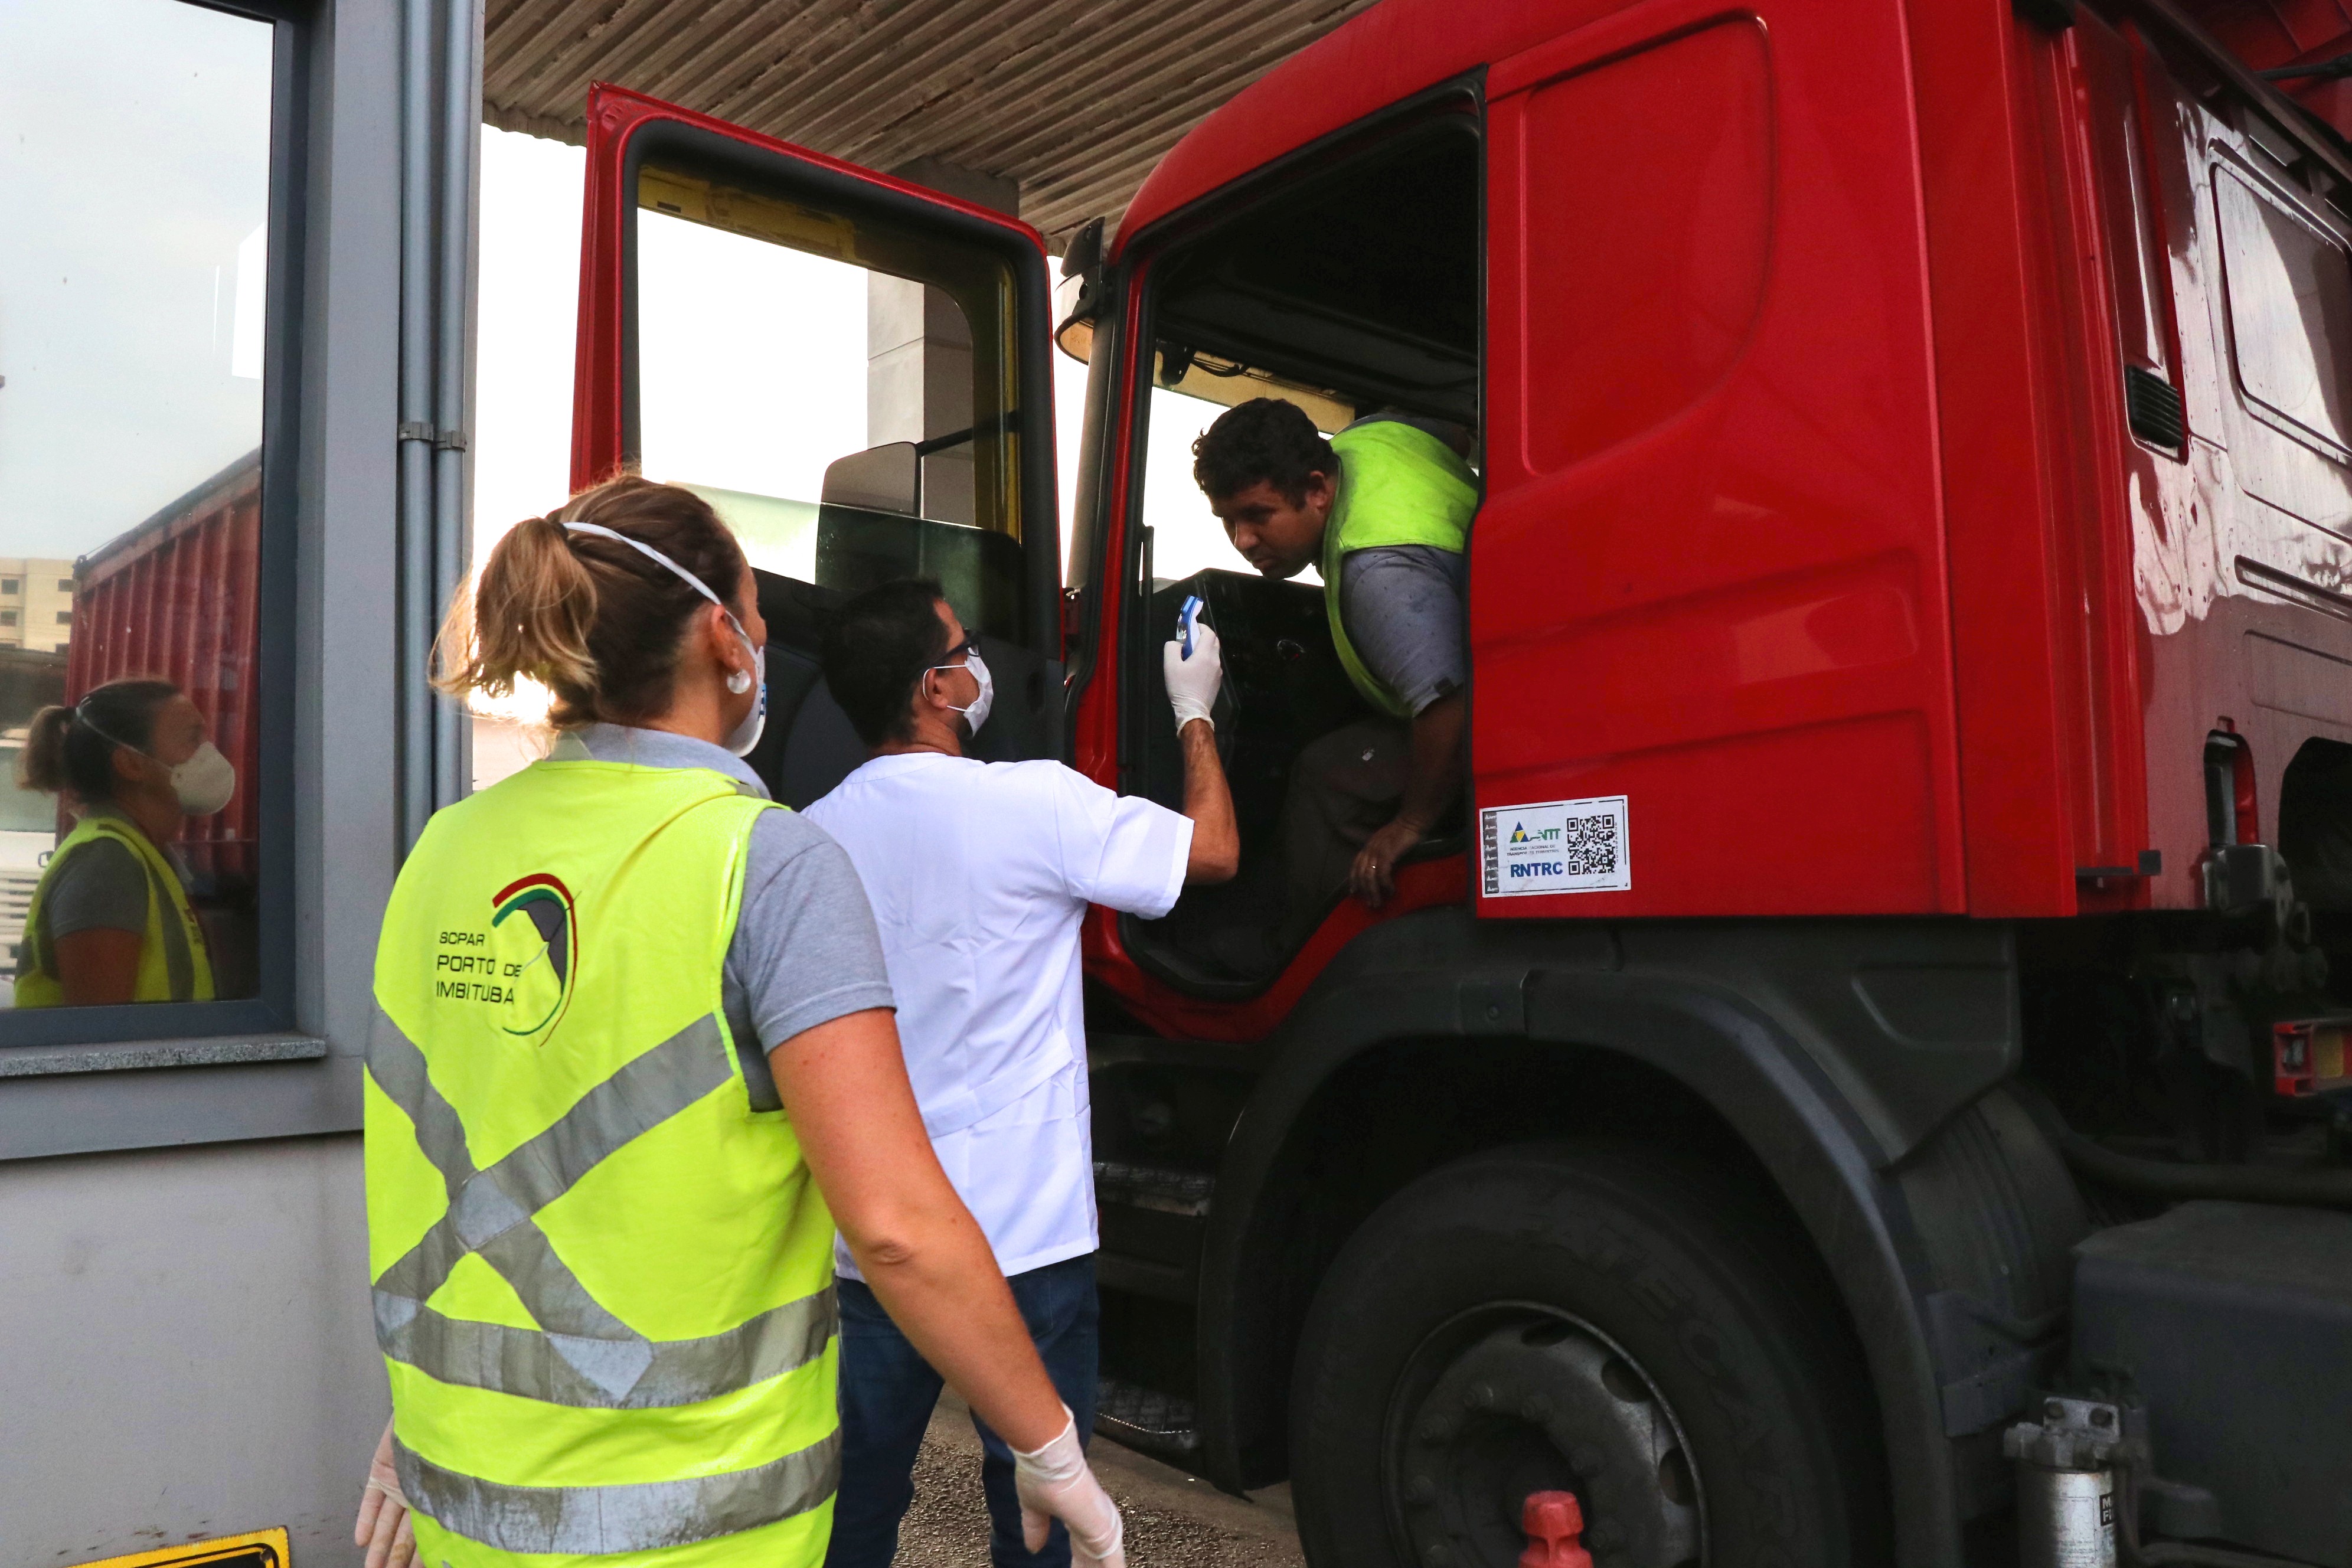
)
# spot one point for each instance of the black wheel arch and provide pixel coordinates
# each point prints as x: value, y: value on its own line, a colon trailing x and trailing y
x: 1768, y: 1052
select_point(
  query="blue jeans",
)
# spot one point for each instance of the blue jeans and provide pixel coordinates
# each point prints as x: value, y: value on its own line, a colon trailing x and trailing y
x: 887, y: 1393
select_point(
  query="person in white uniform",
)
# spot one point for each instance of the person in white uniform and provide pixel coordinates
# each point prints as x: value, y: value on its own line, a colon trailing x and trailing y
x: 980, y: 875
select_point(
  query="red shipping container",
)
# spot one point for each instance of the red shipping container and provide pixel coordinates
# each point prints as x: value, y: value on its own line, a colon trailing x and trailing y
x: 174, y: 598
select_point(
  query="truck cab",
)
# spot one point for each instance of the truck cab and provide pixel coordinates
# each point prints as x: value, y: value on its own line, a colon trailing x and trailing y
x: 1910, y: 571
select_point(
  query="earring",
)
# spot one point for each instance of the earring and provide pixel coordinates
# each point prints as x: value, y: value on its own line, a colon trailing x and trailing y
x: 739, y: 681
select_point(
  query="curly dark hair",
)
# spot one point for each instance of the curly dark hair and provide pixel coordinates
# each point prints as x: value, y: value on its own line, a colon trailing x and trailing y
x: 1264, y: 439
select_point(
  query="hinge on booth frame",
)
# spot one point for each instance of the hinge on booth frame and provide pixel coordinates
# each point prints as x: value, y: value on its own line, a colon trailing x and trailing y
x: 442, y: 440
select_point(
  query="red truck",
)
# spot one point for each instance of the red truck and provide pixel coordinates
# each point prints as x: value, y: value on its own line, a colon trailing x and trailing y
x: 1865, y: 1082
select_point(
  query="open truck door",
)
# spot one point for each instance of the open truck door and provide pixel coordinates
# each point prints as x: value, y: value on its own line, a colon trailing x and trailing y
x: 852, y: 370
x: 1298, y: 284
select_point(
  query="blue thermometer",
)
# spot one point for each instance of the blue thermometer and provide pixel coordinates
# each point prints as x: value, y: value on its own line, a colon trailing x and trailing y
x: 1184, y: 619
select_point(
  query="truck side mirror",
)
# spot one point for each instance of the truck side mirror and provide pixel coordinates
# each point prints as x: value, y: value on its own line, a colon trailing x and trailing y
x: 1085, y: 252
x: 1078, y: 298
x: 888, y: 478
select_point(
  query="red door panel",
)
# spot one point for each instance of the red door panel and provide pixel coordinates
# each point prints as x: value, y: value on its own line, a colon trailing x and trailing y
x: 1707, y: 601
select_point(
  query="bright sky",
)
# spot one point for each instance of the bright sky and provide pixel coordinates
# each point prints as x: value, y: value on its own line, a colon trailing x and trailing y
x: 135, y: 183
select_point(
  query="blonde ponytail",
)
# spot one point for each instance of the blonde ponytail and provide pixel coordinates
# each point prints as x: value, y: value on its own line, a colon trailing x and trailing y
x: 589, y: 617
x: 530, y: 614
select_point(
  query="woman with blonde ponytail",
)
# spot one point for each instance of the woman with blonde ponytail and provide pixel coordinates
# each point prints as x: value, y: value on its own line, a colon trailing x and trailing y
x: 633, y: 1061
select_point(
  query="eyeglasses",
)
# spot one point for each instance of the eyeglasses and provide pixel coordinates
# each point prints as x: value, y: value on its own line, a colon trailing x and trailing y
x: 969, y: 648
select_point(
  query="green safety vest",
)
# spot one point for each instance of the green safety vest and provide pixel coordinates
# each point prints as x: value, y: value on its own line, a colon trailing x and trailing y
x: 173, y: 965
x: 1398, y: 485
x: 603, y: 1282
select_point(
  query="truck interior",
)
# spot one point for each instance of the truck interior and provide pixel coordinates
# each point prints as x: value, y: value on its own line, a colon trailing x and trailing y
x: 1351, y: 289
x: 890, y: 446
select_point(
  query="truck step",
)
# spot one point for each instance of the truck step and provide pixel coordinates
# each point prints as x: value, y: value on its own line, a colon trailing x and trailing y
x: 1154, y: 1187
x: 1147, y: 1420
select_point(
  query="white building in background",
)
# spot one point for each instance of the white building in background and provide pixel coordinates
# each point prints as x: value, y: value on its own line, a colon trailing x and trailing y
x: 37, y: 604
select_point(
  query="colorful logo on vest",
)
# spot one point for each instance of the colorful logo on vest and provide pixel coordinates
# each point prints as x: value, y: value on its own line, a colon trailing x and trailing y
x: 538, y: 954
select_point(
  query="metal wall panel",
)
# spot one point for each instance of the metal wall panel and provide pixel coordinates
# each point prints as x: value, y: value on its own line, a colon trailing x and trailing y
x: 189, y: 1349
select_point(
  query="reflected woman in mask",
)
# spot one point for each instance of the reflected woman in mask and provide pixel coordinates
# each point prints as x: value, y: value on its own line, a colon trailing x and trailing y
x: 110, y: 921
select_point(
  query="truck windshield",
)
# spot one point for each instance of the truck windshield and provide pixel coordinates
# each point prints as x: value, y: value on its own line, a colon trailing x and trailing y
x: 776, y: 341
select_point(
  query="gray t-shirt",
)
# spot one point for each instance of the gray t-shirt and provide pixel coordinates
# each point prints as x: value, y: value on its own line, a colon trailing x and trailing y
x: 1403, y: 607
x: 100, y: 886
x: 804, y: 949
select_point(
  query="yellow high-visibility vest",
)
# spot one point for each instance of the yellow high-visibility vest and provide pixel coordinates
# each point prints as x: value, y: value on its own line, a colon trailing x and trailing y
x: 173, y: 965
x: 604, y: 1283
x: 1398, y: 485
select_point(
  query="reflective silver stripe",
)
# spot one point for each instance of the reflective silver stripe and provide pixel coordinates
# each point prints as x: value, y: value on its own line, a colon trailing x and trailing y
x: 526, y: 1362
x: 650, y: 1089
x: 558, y: 1301
x: 398, y: 1068
x: 486, y: 1205
x: 642, y: 1516
x: 580, y: 1354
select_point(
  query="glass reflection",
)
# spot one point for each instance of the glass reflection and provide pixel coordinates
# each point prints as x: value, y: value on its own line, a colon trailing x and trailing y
x: 134, y: 166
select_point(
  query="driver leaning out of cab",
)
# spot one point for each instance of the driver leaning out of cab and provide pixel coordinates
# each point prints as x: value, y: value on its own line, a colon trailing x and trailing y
x: 1383, y: 509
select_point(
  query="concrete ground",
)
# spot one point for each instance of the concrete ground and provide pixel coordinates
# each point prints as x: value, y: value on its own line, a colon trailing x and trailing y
x: 1173, y: 1520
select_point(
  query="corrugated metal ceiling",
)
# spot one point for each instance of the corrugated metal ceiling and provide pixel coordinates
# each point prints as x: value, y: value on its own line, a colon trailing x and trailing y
x: 1075, y: 100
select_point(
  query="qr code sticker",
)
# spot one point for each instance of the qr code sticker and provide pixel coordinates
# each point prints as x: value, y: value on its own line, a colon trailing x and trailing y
x: 1590, y: 846
x: 1555, y: 847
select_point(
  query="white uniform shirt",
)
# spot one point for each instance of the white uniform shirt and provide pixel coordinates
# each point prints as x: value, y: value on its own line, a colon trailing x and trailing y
x: 979, y: 874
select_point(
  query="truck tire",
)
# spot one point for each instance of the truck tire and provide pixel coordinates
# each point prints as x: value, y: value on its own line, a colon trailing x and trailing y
x: 1594, y: 1318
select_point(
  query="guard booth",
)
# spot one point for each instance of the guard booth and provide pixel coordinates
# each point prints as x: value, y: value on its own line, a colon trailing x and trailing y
x: 232, y: 384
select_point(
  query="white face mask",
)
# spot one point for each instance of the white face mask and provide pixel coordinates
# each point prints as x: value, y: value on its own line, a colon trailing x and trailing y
x: 975, y: 712
x: 205, y: 782
x: 202, y: 784
x: 746, y: 735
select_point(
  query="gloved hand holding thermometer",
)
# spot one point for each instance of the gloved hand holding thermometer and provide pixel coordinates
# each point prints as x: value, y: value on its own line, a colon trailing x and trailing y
x: 1054, y: 1482
x: 1193, y: 664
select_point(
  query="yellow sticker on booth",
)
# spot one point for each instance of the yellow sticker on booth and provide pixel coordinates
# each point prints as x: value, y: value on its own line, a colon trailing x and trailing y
x: 255, y: 1549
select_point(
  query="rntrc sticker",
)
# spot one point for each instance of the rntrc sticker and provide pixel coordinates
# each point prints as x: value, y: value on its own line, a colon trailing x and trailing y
x: 1555, y: 847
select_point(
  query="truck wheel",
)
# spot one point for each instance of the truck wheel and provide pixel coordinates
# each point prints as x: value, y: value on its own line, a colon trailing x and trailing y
x: 1592, y: 1318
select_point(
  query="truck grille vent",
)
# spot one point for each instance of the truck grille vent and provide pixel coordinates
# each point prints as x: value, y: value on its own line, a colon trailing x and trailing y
x: 2154, y: 406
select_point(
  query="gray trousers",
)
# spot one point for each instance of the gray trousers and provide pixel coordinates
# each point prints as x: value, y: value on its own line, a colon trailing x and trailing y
x: 1344, y: 787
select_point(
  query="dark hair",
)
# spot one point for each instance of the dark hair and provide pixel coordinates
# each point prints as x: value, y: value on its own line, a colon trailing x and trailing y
x: 876, y: 647
x: 71, y: 750
x: 593, y: 620
x: 1264, y: 439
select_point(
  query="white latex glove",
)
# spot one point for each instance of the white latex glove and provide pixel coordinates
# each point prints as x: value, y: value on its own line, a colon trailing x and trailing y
x: 1054, y: 1483
x: 384, y: 1527
x: 1193, y: 682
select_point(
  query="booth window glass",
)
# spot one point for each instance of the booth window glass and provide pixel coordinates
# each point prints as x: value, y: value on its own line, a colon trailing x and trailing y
x: 135, y: 173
